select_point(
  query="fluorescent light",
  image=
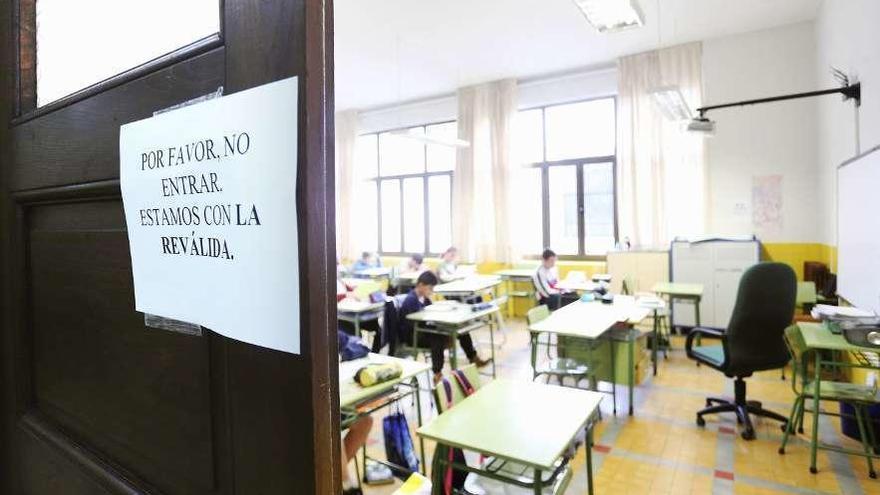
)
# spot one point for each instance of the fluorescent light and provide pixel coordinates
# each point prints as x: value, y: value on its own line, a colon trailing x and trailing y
x: 671, y: 104
x: 608, y: 16
x: 424, y: 138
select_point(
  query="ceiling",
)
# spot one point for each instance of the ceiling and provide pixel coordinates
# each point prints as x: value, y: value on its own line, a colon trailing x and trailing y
x: 392, y: 51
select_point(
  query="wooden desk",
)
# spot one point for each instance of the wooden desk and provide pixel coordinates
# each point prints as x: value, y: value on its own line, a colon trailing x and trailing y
x: 591, y: 321
x: 502, y: 420
x: 452, y: 319
x: 356, y: 401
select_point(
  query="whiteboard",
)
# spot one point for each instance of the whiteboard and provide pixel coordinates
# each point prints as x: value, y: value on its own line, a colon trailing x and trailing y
x: 858, y: 230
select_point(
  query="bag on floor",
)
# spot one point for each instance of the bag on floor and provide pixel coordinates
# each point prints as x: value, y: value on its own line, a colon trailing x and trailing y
x: 453, y: 479
x: 399, y: 446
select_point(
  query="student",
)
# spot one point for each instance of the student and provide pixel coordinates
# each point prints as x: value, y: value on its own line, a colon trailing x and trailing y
x: 545, y: 279
x: 448, y: 265
x: 368, y: 260
x: 417, y: 300
x: 413, y: 264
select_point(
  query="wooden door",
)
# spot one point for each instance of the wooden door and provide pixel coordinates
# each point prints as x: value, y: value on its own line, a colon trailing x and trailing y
x: 92, y: 400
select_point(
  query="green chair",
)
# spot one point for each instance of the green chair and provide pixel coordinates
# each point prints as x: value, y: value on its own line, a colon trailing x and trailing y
x: 860, y: 397
x: 752, y: 342
x: 559, y: 367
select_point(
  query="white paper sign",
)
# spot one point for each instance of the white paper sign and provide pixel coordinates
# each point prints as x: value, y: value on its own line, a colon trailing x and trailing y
x: 210, y: 204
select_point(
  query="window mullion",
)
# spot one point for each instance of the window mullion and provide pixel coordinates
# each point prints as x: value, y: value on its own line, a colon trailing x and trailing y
x: 582, y: 224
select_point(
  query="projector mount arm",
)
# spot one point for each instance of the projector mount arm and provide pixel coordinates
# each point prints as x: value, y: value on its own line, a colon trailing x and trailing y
x: 850, y: 91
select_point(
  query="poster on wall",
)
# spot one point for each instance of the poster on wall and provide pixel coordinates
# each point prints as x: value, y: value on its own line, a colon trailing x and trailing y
x: 209, y: 192
x: 767, y: 204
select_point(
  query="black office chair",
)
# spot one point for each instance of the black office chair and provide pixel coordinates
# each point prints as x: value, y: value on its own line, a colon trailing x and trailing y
x: 753, y: 340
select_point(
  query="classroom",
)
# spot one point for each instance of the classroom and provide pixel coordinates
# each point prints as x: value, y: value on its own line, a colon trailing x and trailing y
x: 445, y: 247
x: 607, y: 246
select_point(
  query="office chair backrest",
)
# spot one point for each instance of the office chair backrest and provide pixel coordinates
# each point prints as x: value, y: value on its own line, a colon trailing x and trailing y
x: 764, y: 308
x: 537, y: 314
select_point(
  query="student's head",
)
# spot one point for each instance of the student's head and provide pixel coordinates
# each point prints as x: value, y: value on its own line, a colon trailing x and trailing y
x: 549, y: 258
x: 417, y: 259
x: 366, y: 256
x: 450, y: 254
x: 425, y: 284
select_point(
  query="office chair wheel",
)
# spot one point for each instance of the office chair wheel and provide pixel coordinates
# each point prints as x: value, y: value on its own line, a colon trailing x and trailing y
x: 801, y: 430
x: 781, y: 451
x: 748, y: 434
x: 873, y: 475
x: 813, y: 470
x: 700, y: 421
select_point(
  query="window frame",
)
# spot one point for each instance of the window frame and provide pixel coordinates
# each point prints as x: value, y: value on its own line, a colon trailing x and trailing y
x: 424, y: 176
x: 579, y: 164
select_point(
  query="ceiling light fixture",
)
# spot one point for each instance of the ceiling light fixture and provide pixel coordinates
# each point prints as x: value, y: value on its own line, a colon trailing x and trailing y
x: 671, y: 104
x: 609, y: 16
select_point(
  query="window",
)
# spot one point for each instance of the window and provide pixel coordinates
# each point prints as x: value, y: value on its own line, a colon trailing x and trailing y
x: 569, y: 152
x: 413, y: 179
x: 84, y: 42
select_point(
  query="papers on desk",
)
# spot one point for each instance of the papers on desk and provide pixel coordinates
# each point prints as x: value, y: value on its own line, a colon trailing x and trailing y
x: 826, y: 312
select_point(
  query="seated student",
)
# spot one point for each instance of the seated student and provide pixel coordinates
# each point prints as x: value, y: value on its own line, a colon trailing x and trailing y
x: 355, y: 438
x: 413, y: 264
x: 448, y: 265
x: 415, y: 301
x: 545, y: 279
x: 367, y: 260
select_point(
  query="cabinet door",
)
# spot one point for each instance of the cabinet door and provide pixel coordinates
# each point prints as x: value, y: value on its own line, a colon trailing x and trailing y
x: 732, y: 259
x: 694, y: 264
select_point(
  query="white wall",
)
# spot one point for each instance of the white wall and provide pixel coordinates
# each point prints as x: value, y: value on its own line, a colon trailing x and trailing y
x: 769, y: 139
x: 848, y: 38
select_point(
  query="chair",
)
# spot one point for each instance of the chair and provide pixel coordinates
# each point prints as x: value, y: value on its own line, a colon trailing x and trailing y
x: 860, y: 397
x: 752, y: 342
x: 559, y: 367
x: 628, y: 288
x: 397, y: 347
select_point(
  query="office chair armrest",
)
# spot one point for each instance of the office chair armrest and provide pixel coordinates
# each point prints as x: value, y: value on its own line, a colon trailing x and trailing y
x: 708, y: 332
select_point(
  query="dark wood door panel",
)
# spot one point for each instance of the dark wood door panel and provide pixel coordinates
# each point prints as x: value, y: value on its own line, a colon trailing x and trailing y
x: 80, y: 142
x: 43, y: 469
x: 137, y: 395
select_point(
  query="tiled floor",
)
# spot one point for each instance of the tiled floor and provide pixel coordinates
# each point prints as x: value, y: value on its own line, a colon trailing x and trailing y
x: 661, y: 450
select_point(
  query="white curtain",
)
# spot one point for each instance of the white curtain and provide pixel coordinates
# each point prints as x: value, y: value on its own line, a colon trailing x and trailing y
x: 346, y: 142
x: 661, y: 172
x: 481, y: 185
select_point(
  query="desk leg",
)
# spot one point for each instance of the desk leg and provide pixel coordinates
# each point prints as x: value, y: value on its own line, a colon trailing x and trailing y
x: 418, y: 392
x: 492, y: 339
x: 589, y: 447
x: 613, y: 376
x: 631, y: 344
x: 357, y: 326
x: 697, y: 317
x: 539, y: 487
x: 438, y: 469
x: 814, y: 441
x: 534, y: 339
x: 656, y: 342
x: 453, y: 351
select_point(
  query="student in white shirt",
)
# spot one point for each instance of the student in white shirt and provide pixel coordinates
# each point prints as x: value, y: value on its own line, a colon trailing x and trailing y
x: 545, y: 279
x: 448, y: 265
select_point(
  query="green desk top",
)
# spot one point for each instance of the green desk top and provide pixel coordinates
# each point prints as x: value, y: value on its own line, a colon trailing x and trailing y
x: 592, y: 319
x: 516, y: 272
x: 816, y: 336
x: 350, y: 305
x: 678, y: 289
x: 524, y: 422
x: 473, y: 283
x: 351, y: 393
x: 452, y: 313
